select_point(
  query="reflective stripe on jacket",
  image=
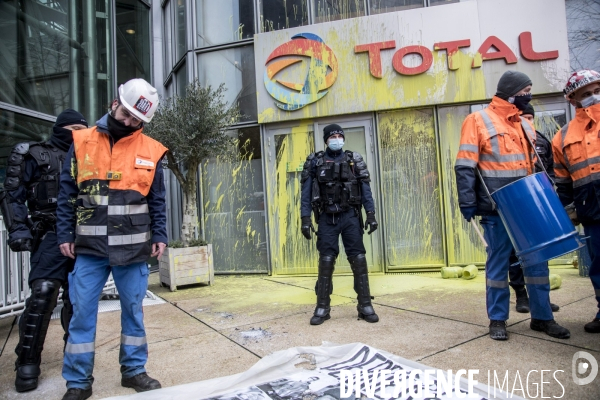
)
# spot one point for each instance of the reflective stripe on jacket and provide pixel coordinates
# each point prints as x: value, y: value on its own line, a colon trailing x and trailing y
x: 576, y: 149
x: 113, y: 218
x: 492, y: 140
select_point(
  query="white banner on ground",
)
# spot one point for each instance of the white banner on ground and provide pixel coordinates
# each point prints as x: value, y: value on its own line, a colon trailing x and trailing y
x: 313, y: 373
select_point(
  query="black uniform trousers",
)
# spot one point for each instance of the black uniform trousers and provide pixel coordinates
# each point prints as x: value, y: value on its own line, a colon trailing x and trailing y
x: 47, y: 262
x: 331, y: 226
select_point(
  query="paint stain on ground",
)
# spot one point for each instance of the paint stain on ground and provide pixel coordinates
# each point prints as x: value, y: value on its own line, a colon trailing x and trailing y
x: 255, y: 334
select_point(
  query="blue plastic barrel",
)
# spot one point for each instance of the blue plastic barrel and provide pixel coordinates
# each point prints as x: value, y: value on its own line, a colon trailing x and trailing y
x: 537, y: 224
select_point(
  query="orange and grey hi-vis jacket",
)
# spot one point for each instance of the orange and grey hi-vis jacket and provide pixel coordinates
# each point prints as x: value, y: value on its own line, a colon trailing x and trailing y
x: 492, y: 140
x: 576, y: 149
x: 110, y: 203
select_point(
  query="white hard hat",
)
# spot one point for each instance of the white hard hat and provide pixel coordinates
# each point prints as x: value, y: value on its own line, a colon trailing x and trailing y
x: 140, y: 98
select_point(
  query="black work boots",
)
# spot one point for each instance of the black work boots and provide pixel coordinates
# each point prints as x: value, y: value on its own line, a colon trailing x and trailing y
x: 77, y: 394
x: 550, y: 328
x: 593, y: 327
x: 498, y: 330
x: 141, y: 383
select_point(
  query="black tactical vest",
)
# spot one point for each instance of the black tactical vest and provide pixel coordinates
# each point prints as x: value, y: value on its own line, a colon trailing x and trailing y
x: 336, y: 187
x: 42, y: 194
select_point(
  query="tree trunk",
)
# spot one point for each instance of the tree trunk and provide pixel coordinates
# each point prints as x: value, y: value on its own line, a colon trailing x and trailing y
x: 189, y: 226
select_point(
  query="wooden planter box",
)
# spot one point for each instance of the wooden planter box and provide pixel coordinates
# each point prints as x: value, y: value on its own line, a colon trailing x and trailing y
x: 186, y: 266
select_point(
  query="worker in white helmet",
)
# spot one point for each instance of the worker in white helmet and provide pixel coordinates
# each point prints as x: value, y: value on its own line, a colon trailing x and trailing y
x: 112, y: 214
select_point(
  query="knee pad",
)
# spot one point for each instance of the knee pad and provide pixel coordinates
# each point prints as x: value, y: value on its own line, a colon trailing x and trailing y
x: 358, y: 264
x: 326, y: 265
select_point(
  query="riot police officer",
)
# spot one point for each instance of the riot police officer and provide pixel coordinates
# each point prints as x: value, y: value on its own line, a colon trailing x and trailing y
x: 335, y: 185
x: 31, y: 187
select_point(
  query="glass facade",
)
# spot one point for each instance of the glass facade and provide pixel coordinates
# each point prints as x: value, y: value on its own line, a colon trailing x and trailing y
x: 55, y: 55
x: 223, y: 21
x: 234, y: 206
x: 180, y: 29
x: 410, y: 188
x: 59, y: 54
x: 235, y: 68
x: 283, y: 14
x: 133, y: 40
x: 384, y: 6
x: 333, y: 10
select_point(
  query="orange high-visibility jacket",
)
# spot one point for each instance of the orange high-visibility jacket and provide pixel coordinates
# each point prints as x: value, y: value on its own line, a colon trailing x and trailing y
x: 576, y: 149
x: 493, y: 141
x: 113, y: 218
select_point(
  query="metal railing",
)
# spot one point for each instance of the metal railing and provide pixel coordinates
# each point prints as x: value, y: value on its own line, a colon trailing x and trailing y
x: 14, y: 275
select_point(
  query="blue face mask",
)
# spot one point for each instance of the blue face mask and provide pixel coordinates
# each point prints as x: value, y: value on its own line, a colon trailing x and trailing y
x: 590, y: 101
x: 336, y: 144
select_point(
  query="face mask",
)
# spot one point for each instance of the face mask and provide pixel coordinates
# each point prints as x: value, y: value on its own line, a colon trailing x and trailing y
x: 336, y: 144
x: 61, y: 138
x: 590, y: 101
x: 119, y: 130
x: 521, y: 102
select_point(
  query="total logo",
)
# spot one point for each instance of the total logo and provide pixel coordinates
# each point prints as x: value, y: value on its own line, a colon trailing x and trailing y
x: 321, y: 75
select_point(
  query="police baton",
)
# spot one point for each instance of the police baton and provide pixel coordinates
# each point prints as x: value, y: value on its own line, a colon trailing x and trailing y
x: 478, y: 232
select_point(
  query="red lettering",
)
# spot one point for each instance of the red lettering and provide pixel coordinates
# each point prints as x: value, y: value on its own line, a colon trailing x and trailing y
x: 526, y: 47
x: 424, y: 52
x: 502, y: 51
x: 374, y: 50
x: 451, y: 48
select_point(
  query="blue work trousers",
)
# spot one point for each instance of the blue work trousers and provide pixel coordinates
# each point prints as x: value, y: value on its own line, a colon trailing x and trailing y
x: 85, y: 286
x: 593, y: 231
x: 496, y: 271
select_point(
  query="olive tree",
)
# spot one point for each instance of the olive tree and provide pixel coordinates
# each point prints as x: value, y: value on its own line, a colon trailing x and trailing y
x: 193, y: 128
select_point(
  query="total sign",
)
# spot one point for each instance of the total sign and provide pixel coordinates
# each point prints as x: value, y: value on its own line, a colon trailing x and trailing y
x: 436, y: 55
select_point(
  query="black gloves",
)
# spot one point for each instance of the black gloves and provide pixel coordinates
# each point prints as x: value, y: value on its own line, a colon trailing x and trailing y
x: 21, y: 245
x: 468, y: 212
x: 306, y: 227
x: 371, y: 223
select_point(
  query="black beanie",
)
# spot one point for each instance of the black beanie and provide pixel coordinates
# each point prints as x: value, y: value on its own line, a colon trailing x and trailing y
x: 529, y: 110
x: 70, y: 117
x: 332, y: 130
x: 510, y: 83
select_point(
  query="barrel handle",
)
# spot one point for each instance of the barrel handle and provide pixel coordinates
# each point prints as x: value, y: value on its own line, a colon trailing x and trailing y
x: 478, y: 232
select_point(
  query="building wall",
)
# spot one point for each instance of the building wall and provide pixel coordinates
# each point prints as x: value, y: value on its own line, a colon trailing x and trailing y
x: 409, y: 139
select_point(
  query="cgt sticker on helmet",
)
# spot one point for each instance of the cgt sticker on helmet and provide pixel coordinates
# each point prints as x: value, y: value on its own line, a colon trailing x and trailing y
x: 143, y: 105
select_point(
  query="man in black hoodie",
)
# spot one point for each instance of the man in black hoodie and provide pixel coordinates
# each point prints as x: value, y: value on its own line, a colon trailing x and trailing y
x: 335, y: 186
x: 31, y: 188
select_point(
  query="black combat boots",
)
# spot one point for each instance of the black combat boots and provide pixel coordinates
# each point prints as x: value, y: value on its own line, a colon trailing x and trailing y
x: 522, y: 299
x: 33, y: 326
x: 323, y: 289
x: 365, y: 309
